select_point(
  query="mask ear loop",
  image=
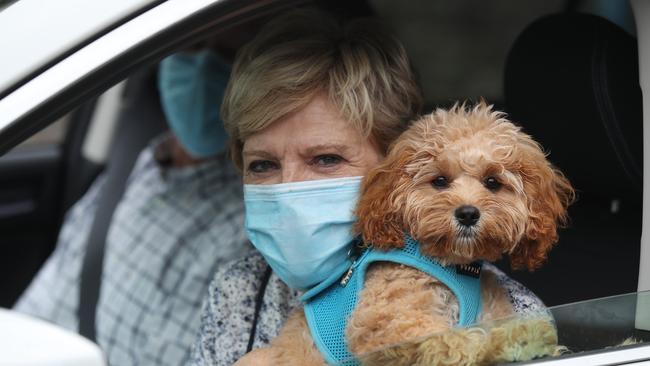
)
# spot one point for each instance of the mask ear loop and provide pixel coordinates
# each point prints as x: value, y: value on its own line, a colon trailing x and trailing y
x: 259, y: 299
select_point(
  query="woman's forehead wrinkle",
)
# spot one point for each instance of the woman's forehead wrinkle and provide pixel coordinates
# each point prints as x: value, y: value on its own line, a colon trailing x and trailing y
x: 258, y: 153
x: 325, y: 138
x: 334, y: 147
x: 264, y: 145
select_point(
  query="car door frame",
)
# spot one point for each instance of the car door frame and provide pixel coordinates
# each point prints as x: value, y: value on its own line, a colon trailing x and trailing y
x: 107, y: 60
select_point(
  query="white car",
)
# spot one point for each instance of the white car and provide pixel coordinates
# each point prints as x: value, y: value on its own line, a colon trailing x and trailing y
x: 66, y: 68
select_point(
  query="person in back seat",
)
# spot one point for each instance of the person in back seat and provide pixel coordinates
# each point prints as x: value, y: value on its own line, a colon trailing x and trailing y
x: 179, y: 220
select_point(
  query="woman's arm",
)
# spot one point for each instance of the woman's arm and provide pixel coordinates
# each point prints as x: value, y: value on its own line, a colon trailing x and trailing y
x: 228, y: 312
x: 523, y: 300
x: 244, y: 309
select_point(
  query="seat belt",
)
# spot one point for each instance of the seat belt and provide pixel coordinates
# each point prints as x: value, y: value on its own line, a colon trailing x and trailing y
x: 139, y: 120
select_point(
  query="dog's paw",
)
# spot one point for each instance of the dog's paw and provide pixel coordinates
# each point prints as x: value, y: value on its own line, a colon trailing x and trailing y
x: 523, y: 339
x: 520, y: 339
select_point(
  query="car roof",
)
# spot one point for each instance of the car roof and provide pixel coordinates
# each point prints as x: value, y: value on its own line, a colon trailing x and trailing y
x: 42, y: 31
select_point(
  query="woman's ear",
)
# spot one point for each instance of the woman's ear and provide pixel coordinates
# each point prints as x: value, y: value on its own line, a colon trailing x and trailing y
x: 379, y: 211
x: 548, y: 195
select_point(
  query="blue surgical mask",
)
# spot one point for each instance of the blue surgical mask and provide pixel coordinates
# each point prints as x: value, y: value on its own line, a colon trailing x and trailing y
x: 191, y: 88
x: 303, y: 229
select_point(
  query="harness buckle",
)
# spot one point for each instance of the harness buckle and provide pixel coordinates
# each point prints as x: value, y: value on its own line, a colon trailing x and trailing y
x: 348, y: 275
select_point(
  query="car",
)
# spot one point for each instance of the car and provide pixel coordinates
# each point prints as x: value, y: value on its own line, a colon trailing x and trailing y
x: 69, y: 66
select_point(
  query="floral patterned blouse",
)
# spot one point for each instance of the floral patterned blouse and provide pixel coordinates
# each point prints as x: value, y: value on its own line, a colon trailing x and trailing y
x: 247, y: 305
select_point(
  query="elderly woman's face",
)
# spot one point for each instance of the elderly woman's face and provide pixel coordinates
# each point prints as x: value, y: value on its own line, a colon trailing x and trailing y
x: 313, y: 143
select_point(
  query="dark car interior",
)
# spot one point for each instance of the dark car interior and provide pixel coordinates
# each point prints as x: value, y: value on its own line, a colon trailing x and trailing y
x: 569, y: 79
x: 585, y: 109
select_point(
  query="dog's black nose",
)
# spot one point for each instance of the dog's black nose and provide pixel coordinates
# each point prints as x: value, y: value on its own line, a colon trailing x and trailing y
x: 467, y: 215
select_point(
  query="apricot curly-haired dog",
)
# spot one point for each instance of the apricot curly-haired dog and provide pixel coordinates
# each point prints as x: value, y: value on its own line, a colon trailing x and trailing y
x: 468, y: 185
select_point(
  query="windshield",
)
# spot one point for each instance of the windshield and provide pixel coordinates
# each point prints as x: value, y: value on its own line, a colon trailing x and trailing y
x: 566, y: 332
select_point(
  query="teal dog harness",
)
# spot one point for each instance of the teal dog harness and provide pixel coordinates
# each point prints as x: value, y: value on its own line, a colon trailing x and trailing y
x: 329, y: 305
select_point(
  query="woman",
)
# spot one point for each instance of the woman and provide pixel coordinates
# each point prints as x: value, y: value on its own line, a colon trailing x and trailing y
x: 311, y: 106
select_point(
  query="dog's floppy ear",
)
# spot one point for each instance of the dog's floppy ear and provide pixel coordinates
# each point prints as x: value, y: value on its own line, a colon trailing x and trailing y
x: 380, y: 209
x: 548, y: 195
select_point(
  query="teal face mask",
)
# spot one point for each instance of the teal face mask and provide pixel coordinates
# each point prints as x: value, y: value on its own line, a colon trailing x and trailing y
x: 303, y: 229
x: 191, y: 88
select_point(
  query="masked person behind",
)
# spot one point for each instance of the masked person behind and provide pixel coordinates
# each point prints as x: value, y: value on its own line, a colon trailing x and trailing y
x: 329, y: 99
x: 180, y: 218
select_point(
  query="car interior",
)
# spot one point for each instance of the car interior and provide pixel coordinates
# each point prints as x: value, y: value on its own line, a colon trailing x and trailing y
x: 566, y: 71
x: 585, y: 109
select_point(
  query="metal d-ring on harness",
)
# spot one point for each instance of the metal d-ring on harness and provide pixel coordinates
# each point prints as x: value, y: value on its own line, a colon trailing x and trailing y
x: 354, y: 253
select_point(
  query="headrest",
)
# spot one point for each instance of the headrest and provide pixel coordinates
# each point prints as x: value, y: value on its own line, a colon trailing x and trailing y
x: 571, y: 81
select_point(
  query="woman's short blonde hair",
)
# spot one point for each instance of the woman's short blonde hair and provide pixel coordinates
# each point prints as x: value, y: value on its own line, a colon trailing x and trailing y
x: 361, y: 66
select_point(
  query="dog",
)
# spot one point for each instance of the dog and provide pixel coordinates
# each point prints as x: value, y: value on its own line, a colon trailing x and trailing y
x: 468, y: 185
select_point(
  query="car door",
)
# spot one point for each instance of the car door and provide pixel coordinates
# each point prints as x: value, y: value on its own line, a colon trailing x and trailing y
x: 30, y: 180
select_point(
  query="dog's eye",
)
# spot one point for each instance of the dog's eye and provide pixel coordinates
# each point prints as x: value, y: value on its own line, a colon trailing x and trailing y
x: 492, y: 183
x: 440, y: 182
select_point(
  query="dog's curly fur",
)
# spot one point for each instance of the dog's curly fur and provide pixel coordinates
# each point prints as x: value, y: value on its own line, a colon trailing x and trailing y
x: 476, y: 157
x: 466, y: 146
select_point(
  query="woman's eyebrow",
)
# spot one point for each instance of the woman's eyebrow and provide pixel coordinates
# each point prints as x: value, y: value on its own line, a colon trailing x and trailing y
x: 259, y: 153
x: 320, y: 148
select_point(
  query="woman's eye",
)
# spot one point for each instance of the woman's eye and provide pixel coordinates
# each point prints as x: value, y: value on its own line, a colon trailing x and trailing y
x: 261, y: 166
x: 440, y: 182
x: 327, y: 160
x: 492, y: 183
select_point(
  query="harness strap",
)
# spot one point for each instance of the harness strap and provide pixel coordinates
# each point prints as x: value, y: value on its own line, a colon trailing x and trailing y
x: 329, y: 305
